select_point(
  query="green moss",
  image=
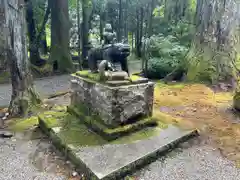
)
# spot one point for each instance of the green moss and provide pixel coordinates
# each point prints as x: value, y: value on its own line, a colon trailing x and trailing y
x: 173, y: 85
x: 74, y: 132
x: 94, y: 77
x: 95, y: 123
x: 89, y: 75
x: 23, y: 124
x: 53, y: 118
x: 135, y: 77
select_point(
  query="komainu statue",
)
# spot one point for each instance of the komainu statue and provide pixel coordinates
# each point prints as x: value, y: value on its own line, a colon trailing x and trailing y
x: 110, y: 51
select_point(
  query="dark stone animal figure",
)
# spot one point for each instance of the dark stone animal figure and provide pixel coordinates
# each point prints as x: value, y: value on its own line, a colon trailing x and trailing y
x: 114, y: 53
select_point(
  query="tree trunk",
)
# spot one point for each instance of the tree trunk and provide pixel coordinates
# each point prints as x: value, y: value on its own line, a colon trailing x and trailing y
x: 150, y: 27
x: 216, y: 43
x: 60, y: 26
x: 120, y: 21
x: 79, y: 35
x: 44, y: 46
x: 85, y: 29
x: 23, y: 93
x: 126, y: 22
x: 137, y: 37
x: 34, y: 51
x: 101, y: 25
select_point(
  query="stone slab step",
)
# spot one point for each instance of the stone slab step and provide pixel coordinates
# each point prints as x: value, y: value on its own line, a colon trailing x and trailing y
x: 114, y: 161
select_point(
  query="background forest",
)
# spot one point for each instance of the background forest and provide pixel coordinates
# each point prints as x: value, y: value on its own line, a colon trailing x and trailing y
x: 174, y: 39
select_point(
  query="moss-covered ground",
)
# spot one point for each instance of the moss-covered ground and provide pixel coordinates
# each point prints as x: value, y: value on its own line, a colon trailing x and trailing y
x: 198, y: 106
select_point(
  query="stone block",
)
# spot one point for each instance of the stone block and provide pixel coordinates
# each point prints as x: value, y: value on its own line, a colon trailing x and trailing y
x: 114, y: 105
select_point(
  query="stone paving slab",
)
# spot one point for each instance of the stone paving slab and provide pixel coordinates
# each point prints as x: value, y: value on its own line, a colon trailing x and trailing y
x: 113, y: 161
x: 116, y: 160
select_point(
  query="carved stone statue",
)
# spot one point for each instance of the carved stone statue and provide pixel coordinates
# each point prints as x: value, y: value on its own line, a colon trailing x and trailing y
x: 110, y: 51
x: 108, y: 35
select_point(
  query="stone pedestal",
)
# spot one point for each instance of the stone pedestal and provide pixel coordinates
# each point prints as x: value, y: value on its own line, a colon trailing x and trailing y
x: 114, y: 105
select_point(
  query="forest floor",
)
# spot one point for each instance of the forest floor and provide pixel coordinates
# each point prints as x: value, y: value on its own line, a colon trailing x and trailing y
x: 215, y: 154
x: 198, y: 106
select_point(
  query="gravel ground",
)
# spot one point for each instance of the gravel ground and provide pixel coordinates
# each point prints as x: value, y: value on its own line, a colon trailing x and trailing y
x: 44, y: 87
x: 29, y: 159
x: 24, y: 158
x: 194, y: 160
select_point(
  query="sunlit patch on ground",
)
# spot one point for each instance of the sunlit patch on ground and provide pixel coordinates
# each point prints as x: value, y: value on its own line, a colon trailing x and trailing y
x: 197, y: 106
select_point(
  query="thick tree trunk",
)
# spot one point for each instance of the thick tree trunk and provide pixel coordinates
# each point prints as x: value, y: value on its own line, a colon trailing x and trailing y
x: 215, y: 46
x: 34, y: 51
x: 85, y: 29
x: 60, y: 26
x: 23, y: 93
x: 120, y: 21
x: 126, y: 22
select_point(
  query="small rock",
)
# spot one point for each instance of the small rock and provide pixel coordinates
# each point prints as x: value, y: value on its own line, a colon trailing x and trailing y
x: 6, y: 134
x: 2, y: 114
x: 74, y: 174
x: 67, y: 162
x: 4, y: 118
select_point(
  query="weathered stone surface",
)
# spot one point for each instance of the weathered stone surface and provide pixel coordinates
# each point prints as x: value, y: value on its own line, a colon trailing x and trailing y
x: 114, y: 161
x: 114, y: 105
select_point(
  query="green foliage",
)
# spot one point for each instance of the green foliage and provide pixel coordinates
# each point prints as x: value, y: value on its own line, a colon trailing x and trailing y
x: 164, y: 54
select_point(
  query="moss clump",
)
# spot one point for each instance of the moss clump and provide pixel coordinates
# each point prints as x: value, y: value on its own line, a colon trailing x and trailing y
x: 89, y: 75
x: 135, y: 78
x: 53, y: 118
x: 18, y: 125
x: 96, y: 77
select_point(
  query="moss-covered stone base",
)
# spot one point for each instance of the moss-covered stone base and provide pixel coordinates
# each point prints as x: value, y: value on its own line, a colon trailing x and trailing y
x: 113, y: 133
x: 90, y: 152
x: 95, y: 77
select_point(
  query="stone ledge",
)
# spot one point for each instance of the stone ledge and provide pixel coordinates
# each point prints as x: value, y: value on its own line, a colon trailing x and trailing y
x: 112, y: 161
x: 112, y: 133
x: 95, y: 78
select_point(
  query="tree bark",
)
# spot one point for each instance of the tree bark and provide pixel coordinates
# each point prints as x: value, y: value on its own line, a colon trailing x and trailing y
x: 79, y: 35
x: 150, y: 27
x: 23, y: 93
x: 126, y: 22
x: 120, y: 21
x: 34, y: 50
x: 60, y: 26
x: 44, y: 46
x: 215, y: 46
x: 85, y: 29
